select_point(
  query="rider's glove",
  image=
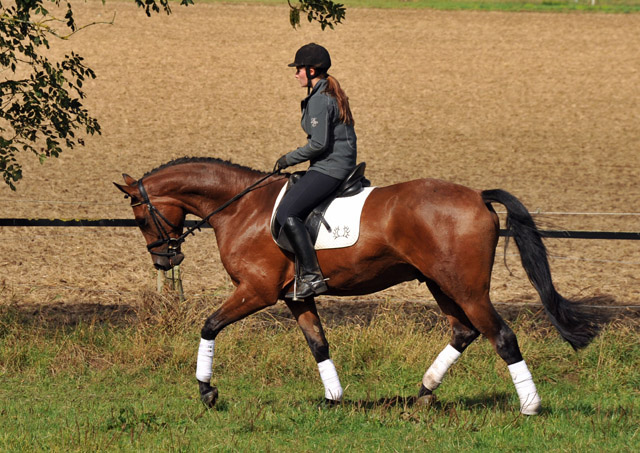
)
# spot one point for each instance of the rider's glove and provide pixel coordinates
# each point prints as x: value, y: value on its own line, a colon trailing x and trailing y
x: 281, y: 163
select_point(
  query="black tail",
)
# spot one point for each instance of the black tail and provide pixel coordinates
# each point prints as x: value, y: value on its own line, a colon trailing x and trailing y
x: 575, y: 325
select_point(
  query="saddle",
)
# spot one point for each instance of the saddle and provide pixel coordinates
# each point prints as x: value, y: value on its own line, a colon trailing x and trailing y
x: 354, y: 184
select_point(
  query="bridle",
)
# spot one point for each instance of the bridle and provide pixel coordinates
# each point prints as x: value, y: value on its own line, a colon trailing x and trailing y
x: 173, y: 244
x: 157, y: 216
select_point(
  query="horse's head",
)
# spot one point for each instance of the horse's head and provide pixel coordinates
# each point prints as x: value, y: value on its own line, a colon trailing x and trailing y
x: 160, y: 221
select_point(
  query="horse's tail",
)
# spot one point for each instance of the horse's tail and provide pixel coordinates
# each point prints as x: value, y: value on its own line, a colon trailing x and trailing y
x: 575, y: 325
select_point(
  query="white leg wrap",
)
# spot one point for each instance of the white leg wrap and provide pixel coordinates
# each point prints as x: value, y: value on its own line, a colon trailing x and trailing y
x: 433, y: 377
x: 329, y: 375
x: 522, y: 379
x: 205, y: 360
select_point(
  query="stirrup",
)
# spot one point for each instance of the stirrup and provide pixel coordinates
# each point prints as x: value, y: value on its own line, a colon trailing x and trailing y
x: 303, y: 288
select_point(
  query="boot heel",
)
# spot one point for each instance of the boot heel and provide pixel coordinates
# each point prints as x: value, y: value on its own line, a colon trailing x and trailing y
x: 307, y: 288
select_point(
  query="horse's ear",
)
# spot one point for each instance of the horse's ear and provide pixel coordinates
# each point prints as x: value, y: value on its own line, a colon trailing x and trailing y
x: 129, y: 180
x: 126, y: 189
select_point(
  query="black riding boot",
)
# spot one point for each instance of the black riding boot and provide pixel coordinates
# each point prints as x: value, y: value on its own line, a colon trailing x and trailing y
x: 309, y: 279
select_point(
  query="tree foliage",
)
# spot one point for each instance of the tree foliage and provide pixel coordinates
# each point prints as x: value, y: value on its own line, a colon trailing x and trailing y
x: 40, y: 99
x: 41, y: 110
x: 325, y: 12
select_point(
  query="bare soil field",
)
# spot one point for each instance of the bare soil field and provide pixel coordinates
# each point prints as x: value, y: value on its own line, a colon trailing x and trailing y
x: 545, y: 106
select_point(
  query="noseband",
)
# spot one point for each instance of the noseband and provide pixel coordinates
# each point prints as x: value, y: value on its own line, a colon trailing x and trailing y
x: 173, y: 244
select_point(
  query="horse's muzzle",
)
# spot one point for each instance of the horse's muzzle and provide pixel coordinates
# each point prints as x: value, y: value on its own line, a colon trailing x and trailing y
x: 165, y: 263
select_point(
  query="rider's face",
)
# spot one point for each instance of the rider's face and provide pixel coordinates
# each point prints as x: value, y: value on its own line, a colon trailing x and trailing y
x: 301, y: 75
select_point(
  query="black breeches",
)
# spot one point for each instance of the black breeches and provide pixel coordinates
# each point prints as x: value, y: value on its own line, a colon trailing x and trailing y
x: 305, y: 195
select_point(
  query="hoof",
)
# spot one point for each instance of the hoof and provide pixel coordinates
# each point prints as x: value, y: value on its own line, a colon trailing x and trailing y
x: 426, y: 400
x: 327, y: 403
x: 208, y: 394
x: 209, y: 398
x: 424, y: 391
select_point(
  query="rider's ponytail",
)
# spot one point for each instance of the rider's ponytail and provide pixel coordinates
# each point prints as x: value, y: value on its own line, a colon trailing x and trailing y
x: 334, y: 89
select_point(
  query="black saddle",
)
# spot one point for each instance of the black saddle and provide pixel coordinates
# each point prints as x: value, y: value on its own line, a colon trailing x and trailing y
x: 353, y: 184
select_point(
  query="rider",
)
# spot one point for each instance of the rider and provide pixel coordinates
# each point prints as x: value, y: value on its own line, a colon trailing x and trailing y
x: 331, y: 150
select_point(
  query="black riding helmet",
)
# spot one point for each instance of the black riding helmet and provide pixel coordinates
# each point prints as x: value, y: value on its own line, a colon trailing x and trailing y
x: 312, y: 55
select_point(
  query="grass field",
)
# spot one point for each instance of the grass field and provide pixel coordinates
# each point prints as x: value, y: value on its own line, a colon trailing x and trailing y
x: 96, y: 387
x: 611, y: 6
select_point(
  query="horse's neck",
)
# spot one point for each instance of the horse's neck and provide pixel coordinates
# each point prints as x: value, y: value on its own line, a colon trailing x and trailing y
x: 201, y: 189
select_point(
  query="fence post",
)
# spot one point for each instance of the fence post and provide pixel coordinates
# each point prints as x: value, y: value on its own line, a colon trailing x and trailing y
x: 171, y: 279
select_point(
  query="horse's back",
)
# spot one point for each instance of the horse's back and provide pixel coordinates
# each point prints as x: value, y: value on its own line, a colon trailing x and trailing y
x: 431, y: 210
x: 432, y: 197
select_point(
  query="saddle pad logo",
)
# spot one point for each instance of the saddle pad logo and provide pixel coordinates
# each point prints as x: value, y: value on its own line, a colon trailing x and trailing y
x: 341, y: 231
x: 314, y: 122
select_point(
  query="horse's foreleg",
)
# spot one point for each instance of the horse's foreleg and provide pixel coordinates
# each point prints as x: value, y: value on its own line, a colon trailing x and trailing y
x: 307, y: 317
x: 240, y: 305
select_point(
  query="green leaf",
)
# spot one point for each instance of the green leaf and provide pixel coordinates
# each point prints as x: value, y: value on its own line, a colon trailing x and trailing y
x: 294, y: 17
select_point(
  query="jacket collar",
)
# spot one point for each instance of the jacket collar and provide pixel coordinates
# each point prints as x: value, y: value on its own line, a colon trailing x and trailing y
x: 320, y: 85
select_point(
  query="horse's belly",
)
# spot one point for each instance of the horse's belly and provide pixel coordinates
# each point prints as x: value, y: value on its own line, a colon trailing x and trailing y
x: 369, y: 280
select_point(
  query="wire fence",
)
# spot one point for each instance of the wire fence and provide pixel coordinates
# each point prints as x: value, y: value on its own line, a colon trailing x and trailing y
x: 128, y: 223
x: 75, y: 224
x: 534, y: 213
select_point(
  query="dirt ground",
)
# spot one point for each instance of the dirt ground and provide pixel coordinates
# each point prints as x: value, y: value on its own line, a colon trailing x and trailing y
x: 546, y: 106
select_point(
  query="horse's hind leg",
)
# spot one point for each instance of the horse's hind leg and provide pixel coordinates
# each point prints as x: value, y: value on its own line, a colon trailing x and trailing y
x: 307, y: 317
x: 463, y: 334
x: 481, y: 314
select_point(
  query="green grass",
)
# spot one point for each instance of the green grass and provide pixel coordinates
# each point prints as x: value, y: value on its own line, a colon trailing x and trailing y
x: 620, y: 6
x: 131, y: 387
x: 609, y: 6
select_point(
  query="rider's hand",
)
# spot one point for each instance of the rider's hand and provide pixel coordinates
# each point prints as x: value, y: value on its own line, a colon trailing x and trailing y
x: 281, y: 163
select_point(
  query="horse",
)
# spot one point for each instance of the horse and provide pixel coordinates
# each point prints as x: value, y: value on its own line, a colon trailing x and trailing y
x: 433, y: 231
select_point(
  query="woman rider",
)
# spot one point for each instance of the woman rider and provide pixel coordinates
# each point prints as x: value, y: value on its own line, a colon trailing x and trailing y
x: 330, y: 149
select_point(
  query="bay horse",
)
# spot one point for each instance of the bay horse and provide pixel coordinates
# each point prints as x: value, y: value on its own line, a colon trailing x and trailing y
x: 436, y: 232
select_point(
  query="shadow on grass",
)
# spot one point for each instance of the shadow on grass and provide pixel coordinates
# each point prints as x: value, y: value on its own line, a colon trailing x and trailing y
x: 333, y: 313
x: 497, y: 400
x: 58, y: 314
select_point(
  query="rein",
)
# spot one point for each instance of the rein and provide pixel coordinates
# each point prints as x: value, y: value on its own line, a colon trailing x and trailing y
x: 174, y: 243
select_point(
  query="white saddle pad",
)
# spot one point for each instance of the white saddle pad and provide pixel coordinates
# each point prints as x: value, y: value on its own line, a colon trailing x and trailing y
x: 343, y: 217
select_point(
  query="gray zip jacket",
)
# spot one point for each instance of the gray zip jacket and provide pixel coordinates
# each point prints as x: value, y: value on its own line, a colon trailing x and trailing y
x: 331, y: 147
